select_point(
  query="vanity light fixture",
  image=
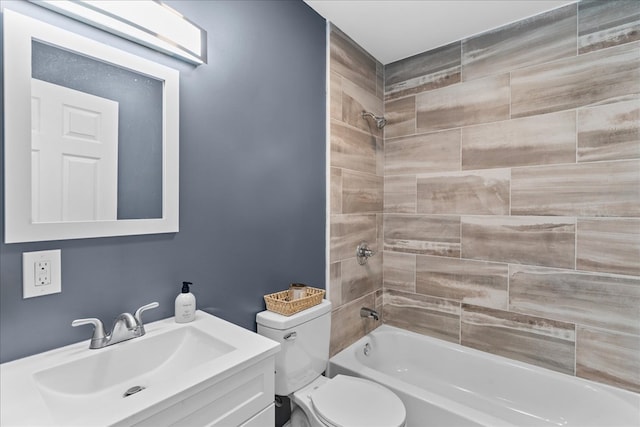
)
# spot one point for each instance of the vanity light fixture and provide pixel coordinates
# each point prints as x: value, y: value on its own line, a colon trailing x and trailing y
x: 147, y: 22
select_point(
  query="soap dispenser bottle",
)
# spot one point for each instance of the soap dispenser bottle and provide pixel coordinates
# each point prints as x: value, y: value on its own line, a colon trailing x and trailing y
x: 185, y: 305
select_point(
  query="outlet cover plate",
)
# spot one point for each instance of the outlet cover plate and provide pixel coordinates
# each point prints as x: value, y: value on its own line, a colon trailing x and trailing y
x: 30, y: 283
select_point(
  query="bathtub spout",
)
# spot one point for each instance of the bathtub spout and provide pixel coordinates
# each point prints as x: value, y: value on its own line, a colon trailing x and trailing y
x: 369, y: 313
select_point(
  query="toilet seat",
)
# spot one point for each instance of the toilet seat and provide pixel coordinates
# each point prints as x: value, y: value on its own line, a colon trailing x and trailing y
x: 348, y: 401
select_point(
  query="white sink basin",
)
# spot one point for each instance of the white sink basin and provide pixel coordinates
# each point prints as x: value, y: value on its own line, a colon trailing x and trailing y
x: 135, y: 363
x: 74, y: 385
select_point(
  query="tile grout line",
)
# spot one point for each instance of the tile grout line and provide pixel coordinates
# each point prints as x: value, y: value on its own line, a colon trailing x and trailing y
x: 460, y: 325
x: 575, y: 135
x: 575, y: 245
x: 577, y: 29
x: 575, y: 350
x: 510, y: 96
x: 415, y: 115
x: 460, y: 152
x: 509, y: 287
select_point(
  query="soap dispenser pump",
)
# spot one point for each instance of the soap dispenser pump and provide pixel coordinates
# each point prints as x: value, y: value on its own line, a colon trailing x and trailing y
x: 185, y: 305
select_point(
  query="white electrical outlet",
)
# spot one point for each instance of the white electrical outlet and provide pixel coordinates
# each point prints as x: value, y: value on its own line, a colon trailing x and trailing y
x: 41, y: 273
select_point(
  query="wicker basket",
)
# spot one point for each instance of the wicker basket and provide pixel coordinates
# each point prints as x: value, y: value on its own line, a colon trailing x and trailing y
x: 281, y: 303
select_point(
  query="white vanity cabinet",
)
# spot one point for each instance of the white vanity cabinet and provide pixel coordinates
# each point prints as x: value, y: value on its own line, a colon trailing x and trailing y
x: 208, y: 372
x: 242, y: 399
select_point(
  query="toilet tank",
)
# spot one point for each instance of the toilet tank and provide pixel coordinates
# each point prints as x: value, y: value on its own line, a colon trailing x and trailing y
x: 304, y: 340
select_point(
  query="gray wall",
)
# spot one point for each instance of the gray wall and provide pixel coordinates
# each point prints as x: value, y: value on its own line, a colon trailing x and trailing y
x: 252, y: 185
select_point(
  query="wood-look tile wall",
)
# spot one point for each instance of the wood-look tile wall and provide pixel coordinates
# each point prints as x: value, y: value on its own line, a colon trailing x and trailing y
x: 511, y: 192
x: 356, y: 183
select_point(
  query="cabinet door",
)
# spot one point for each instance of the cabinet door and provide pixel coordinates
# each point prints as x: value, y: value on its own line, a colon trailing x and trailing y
x: 263, y: 419
x: 230, y: 401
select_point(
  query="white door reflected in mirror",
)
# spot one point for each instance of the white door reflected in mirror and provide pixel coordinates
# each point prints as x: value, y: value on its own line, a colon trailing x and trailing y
x: 74, y: 155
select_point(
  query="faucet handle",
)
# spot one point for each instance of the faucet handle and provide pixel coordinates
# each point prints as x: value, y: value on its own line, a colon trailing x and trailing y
x: 138, y: 314
x: 98, y: 331
x: 363, y: 252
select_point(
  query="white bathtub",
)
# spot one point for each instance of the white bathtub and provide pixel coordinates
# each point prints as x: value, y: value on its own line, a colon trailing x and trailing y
x: 445, y: 384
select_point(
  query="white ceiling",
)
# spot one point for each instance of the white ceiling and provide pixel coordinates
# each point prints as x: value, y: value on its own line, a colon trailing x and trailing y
x: 395, y: 29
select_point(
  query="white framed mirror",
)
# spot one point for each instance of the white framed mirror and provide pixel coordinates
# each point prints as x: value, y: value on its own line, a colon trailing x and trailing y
x: 91, y: 137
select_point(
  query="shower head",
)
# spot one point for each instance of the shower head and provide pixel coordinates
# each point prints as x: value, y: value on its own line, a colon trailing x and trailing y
x: 380, y: 121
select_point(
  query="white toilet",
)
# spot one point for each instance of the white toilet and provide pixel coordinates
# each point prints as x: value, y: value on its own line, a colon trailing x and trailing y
x: 317, y: 401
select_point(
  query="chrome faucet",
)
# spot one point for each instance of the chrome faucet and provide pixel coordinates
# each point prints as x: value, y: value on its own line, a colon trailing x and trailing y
x: 125, y: 327
x: 369, y: 313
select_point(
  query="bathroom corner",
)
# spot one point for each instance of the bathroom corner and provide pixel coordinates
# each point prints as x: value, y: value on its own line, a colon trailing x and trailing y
x: 356, y: 86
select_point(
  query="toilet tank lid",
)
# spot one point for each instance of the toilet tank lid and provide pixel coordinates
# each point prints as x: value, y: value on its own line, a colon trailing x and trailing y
x: 280, y: 322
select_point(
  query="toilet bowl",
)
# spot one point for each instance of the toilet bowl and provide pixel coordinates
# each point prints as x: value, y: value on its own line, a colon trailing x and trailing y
x: 318, y: 401
x: 345, y: 401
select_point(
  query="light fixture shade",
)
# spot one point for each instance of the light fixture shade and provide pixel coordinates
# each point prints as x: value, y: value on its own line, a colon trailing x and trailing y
x: 147, y: 22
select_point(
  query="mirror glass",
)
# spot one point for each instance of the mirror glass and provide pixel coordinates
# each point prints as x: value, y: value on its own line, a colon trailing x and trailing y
x: 91, y: 137
x: 97, y: 128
